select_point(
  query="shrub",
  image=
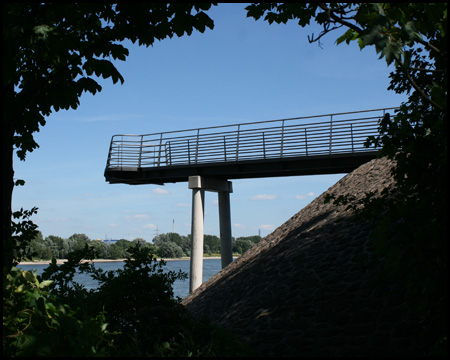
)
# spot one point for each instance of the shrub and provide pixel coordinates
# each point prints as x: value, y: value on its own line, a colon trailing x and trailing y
x: 36, y: 323
x: 139, y: 306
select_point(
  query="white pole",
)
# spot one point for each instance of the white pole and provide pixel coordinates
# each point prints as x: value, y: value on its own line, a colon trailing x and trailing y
x: 196, y: 275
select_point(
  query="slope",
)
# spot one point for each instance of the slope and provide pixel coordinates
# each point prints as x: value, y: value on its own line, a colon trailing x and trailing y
x: 309, y: 288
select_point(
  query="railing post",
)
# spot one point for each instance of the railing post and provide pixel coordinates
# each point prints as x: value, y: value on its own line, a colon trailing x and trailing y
x: 196, y: 146
x: 168, y: 154
x: 331, y: 131
x: 306, y: 143
x: 160, y: 149
x: 121, y: 153
x: 225, y: 148
x: 237, y: 142
x: 189, y: 152
x: 108, y: 162
x: 264, y: 146
x: 351, y: 135
x: 140, y: 152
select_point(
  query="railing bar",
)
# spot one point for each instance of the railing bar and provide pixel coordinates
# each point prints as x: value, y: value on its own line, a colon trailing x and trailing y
x: 246, y: 142
x: 270, y: 121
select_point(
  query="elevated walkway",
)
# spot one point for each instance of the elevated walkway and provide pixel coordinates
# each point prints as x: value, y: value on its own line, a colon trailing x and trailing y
x: 321, y: 144
x: 209, y: 157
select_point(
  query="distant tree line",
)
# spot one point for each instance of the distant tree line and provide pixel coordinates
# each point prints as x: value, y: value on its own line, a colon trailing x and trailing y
x: 169, y: 245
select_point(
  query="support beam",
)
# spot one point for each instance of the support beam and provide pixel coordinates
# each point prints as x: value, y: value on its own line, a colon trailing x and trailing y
x: 199, y: 185
x: 196, y: 270
x: 210, y: 184
x: 226, y: 252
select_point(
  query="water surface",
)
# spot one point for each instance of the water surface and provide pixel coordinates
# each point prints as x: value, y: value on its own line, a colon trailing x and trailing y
x: 180, y: 288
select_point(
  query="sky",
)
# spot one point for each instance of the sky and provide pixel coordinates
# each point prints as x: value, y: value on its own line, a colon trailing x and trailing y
x: 242, y: 71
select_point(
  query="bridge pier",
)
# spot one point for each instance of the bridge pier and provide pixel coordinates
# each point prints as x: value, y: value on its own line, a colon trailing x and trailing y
x: 199, y: 185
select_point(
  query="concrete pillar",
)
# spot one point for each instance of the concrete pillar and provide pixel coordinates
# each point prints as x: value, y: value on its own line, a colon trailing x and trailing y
x: 199, y: 185
x: 196, y: 273
x: 226, y: 252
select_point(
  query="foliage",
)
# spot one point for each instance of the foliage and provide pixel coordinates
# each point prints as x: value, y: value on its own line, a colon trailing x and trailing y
x: 170, y: 250
x: 173, y: 245
x: 139, y: 306
x: 21, y: 232
x: 411, y: 234
x: 57, y: 48
x: 52, y: 54
x: 244, y: 243
x: 170, y: 245
x: 36, y: 323
x: 59, y: 248
x: 133, y: 312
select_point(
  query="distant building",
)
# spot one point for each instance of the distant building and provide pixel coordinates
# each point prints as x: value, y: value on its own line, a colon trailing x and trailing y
x: 110, y: 241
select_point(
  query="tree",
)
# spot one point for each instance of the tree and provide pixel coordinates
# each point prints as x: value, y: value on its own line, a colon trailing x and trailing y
x: 211, y: 244
x: 412, y: 231
x: 169, y: 250
x: 182, y: 241
x: 51, y: 55
x: 56, y: 245
x: 38, y: 248
x: 78, y: 241
x: 158, y: 240
x: 175, y: 241
x: 101, y: 248
x: 254, y: 238
x: 240, y: 246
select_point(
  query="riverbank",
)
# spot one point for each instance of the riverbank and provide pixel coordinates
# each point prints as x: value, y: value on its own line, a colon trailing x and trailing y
x: 62, y: 261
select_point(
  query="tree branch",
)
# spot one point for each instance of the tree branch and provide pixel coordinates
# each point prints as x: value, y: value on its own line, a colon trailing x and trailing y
x: 324, y: 32
x: 416, y: 87
x: 339, y: 20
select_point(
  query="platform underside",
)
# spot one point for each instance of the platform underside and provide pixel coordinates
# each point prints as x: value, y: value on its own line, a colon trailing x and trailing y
x: 289, y: 166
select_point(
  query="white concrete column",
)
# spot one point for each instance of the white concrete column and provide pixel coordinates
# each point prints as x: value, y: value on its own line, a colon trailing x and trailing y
x: 196, y: 273
x: 199, y: 185
x: 226, y: 251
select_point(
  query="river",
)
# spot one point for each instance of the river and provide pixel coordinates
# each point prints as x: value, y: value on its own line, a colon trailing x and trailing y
x: 180, y: 288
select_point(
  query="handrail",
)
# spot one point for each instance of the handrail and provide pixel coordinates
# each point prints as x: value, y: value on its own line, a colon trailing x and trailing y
x: 294, y: 137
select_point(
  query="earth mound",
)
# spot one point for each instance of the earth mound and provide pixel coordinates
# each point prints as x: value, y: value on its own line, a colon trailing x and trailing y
x: 309, y: 288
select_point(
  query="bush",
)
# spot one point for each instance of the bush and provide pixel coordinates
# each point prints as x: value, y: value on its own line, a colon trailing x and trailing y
x: 138, y: 305
x: 36, y: 323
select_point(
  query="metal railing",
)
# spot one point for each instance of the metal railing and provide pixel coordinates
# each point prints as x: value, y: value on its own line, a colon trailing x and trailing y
x: 295, y: 137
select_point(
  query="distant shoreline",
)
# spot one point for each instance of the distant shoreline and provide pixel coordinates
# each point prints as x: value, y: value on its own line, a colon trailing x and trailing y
x: 62, y: 261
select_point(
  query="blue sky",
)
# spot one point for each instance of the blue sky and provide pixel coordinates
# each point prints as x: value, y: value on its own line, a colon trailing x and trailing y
x: 241, y: 71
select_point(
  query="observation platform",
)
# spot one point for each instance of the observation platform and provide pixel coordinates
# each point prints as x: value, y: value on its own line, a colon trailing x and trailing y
x: 321, y: 144
x: 207, y: 158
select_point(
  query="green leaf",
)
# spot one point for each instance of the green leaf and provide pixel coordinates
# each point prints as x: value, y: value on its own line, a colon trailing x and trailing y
x: 411, y: 31
x: 392, y: 51
x: 348, y: 36
x: 45, y: 284
x: 103, y: 68
x: 117, y: 51
x: 42, y: 30
x: 88, y: 84
x: 28, y: 276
